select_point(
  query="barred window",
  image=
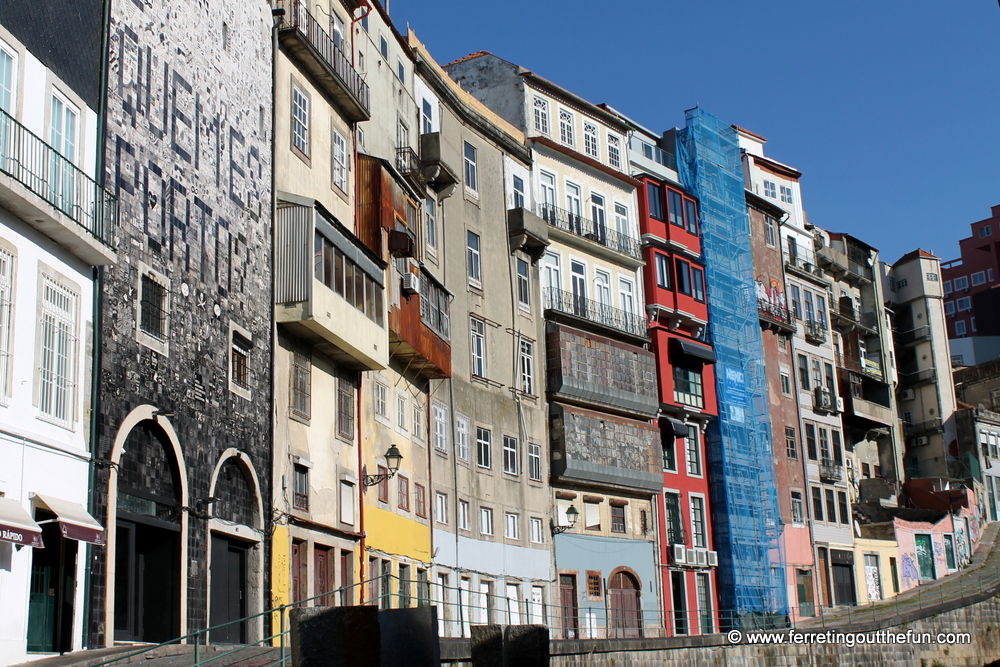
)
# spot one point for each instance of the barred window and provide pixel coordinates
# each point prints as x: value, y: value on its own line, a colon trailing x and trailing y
x: 57, y: 354
x: 346, y: 386
x: 241, y: 347
x: 152, y: 307
x: 301, y: 383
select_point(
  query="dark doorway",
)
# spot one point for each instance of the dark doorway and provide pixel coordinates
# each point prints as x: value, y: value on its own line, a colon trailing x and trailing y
x: 843, y: 584
x: 823, y: 567
x: 229, y: 592
x: 624, y: 593
x: 147, y: 582
x: 53, y: 584
x: 567, y: 600
x: 680, y: 603
x: 804, y: 581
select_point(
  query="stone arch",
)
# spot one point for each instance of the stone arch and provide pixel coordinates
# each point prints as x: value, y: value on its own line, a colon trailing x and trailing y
x: 241, y: 461
x: 138, y: 415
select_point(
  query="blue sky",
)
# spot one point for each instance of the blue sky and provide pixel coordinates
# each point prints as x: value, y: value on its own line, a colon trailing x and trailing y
x: 890, y: 108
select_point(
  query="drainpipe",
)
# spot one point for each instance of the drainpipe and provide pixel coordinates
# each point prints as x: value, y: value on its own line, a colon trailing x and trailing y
x: 361, y: 499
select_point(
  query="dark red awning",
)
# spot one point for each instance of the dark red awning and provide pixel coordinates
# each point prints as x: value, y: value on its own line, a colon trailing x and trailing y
x: 17, y: 526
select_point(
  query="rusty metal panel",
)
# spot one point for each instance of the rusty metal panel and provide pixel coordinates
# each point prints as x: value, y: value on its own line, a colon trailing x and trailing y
x: 292, y: 257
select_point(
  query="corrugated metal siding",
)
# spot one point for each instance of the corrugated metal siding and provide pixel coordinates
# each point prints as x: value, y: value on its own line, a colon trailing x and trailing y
x: 292, y: 253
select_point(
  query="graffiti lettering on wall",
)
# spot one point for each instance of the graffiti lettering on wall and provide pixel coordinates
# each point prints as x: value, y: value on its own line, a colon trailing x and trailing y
x: 961, y: 546
x: 939, y: 551
x: 909, y: 568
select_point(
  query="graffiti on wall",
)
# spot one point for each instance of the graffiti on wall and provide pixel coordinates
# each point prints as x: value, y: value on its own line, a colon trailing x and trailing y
x: 909, y: 568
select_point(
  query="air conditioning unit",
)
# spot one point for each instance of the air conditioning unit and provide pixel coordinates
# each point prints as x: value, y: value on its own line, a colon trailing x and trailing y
x: 677, y: 553
x: 907, y: 395
x: 713, y: 559
x: 410, y: 283
x: 923, y: 440
x: 702, y: 558
x: 840, y: 404
x: 691, y: 557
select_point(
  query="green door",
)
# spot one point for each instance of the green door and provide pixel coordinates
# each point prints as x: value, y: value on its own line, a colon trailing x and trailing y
x: 41, y: 608
x: 925, y: 556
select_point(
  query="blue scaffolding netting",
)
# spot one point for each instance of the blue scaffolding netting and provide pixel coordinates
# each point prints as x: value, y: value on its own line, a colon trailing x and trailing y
x: 742, y: 479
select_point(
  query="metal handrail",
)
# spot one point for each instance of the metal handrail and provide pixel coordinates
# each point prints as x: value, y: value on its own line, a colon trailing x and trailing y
x: 408, y: 162
x: 36, y: 165
x: 575, y: 223
x: 773, y: 311
x: 600, y: 313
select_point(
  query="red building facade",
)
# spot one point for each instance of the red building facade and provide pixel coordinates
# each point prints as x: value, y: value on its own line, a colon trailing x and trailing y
x: 968, y: 282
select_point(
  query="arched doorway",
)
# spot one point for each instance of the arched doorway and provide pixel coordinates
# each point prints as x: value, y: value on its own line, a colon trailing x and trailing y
x: 623, y: 605
x: 148, y: 545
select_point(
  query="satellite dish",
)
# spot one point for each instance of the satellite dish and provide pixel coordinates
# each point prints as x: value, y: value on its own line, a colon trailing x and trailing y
x: 981, y: 406
x: 857, y: 526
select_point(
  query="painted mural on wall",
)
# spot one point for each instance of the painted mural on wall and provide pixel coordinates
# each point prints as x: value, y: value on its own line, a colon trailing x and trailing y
x: 769, y: 292
x: 873, y: 582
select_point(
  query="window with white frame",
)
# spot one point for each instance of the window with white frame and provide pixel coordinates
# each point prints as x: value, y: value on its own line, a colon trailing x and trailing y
x: 770, y: 237
x: 614, y: 151
x: 949, y: 307
x: 985, y: 231
x: 419, y: 421
x: 401, y: 408
x: 7, y: 78
x: 518, y: 191
x: 512, y: 531
x: 441, y: 507
x: 426, y: 116
x: 965, y: 303
x: 989, y: 275
x: 510, y: 462
x: 484, y: 444
x: 400, y: 70
x: 699, y: 537
x: 978, y: 278
x: 57, y: 351
x: 6, y: 314
x: 566, y: 127
x: 693, y: 450
x: 473, y: 263
x: 770, y: 190
x: 523, y: 284
x: 626, y: 295
x: 300, y: 120
x: 239, y: 360
x: 537, y: 530
x: 477, y: 330
x: 946, y: 286
x: 662, y: 270
x: 440, y: 415
x: 383, y: 46
x: 798, y: 509
x: 380, y: 392
x: 960, y: 328
x: 527, y: 354
x: 534, y: 462
x: 541, y: 106
x: 339, y: 161
x: 463, y: 514
x: 621, y: 220
x: 471, y: 173
x: 590, y: 140
x: 301, y: 384
x: 962, y: 282
x: 786, y: 194
x: 485, y: 521
x: 430, y: 214
x: 462, y: 437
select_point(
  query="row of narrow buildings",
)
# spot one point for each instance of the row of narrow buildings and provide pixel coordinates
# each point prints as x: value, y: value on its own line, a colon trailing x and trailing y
x: 291, y: 313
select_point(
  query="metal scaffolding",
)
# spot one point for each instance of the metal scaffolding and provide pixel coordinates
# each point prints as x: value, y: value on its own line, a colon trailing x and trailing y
x: 743, y: 484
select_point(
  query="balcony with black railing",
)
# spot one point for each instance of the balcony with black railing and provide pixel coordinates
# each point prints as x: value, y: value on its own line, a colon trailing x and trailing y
x: 51, y: 193
x: 923, y: 427
x: 815, y: 331
x: 409, y: 165
x: 830, y: 471
x: 914, y: 336
x: 775, y: 315
x: 577, y: 225
x: 324, y: 58
x: 603, y: 315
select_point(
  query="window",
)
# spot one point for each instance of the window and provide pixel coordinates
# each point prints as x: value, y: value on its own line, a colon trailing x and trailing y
x: 698, y: 284
x: 614, y: 151
x: 669, y: 443
x: 842, y: 504
x: 419, y: 421
x: 811, y: 442
x: 473, y: 266
x: 441, y: 507
x: 972, y: 324
x: 346, y: 384
x: 791, y: 446
x: 566, y: 127
x: 831, y: 507
x: 6, y: 81
x: 682, y: 277
x: 463, y: 514
x: 900, y: 284
x: 798, y: 513
x: 786, y: 383
x: 240, y: 346
x: 769, y: 235
x: 401, y: 406
x: 989, y: 275
x: 6, y: 302
x: 932, y: 277
x: 964, y: 303
x: 153, y: 307
x: 617, y: 518
x: 770, y: 190
x: 817, y: 496
x: 301, y: 383
x: 693, y: 451
x: 381, y: 399
x: 662, y: 271
x: 403, y: 492
x: 691, y: 214
x: 803, y: 373
x: 300, y: 121
x: 518, y: 191
x: 420, y: 500
x: 339, y: 160
x: 462, y: 437
x: 523, y: 285
x: 537, y: 533
x: 534, y: 462
x: 654, y: 193
x: 347, y: 496
x: 339, y: 272
x: 591, y: 515
x: 510, y: 463
x: 511, y: 529
x: 471, y: 176
x: 300, y: 488
x: 383, y: 485
x: 478, y: 330
x: 687, y: 385
x: 590, y: 140
x: 383, y: 46
x: 960, y: 328
x: 985, y: 231
x: 797, y: 303
x: 675, y: 212
x: 978, y: 278
x: 672, y: 512
x: 786, y: 194
x: 430, y: 216
x: 946, y: 285
x: 484, y: 441
x: 962, y: 282
x: 527, y: 368
x: 698, y: 535
x: 621, y: 220
x: 949, y: 307
x: 400, y: 70
x: 440, y: 415
x: 626, y: 295
x: 541, y: 107
x: 485, y: 521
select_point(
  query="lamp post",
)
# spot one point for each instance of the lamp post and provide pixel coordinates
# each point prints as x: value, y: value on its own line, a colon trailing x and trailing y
x: 392, y: 459
x: 572, y: 514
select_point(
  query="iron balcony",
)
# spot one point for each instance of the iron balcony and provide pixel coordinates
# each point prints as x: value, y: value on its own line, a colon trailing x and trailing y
x: 576, y: 224
x: 608, y: 317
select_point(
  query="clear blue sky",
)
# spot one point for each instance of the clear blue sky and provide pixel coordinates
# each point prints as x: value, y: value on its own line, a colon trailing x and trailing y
x: 890, y: 108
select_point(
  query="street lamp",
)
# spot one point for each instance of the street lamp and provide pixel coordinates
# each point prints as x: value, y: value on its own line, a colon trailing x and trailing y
x: 392, y: 459
x: 572, y: 514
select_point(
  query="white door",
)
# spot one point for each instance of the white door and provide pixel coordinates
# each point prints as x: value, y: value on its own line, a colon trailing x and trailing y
x: 483, y: 606
x: 547, y: 183
x: 599, y: 216
x: 535, y: 609
x: 62, y: 137
x: 574, y: 208
x: 513, y: 604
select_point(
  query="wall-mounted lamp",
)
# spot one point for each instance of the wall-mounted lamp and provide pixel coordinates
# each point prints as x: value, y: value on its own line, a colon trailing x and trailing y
x: 392, y: 459
x: 163, y: 413
x: 572, y: 514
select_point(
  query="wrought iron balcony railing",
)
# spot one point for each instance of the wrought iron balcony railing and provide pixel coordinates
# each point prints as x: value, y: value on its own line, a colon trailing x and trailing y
x: 774, y: 312
x: 815, y: 331
x: 599, y: 313
x: 830, y: 471
x: 926, y: 426
x: 408, y: 163
x: 575, y: 223
x: 45, y: 172
x: 914, y: 336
